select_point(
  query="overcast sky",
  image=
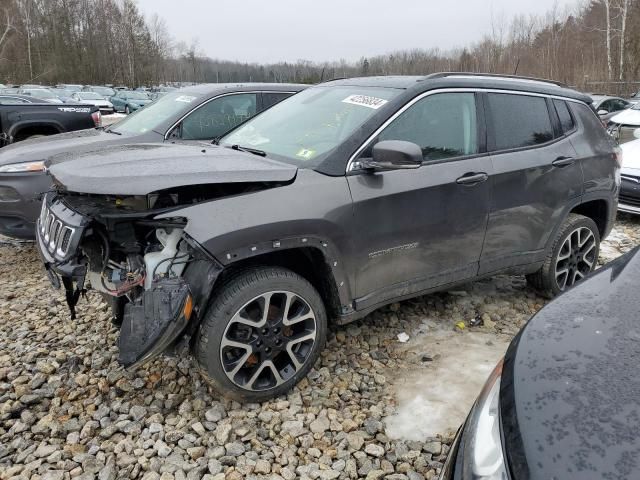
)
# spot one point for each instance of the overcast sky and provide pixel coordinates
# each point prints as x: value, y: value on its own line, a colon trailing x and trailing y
x: 318, y: 30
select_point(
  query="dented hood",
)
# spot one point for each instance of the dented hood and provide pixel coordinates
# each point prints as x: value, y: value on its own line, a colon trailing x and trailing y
x: 144, y: 168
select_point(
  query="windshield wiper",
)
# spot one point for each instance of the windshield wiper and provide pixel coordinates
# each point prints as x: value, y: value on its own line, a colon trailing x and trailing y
x: 255, y: 151
x: 108, y: 130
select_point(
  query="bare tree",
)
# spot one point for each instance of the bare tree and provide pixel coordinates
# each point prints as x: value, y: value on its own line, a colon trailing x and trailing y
x: 624, y: 11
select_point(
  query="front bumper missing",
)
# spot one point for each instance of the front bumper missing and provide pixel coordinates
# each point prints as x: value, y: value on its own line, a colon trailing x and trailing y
x: 155, y: 318
x: 58, y: 233
x: 153, y: 321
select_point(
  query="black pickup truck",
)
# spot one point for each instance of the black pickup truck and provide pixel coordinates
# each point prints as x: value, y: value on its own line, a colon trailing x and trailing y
x: 20, y: 121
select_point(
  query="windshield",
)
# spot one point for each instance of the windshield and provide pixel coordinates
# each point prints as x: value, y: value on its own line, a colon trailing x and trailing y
x: 137, y: 96
x: 306, y: 127
x: 90, y: 96
x: 168, y: 108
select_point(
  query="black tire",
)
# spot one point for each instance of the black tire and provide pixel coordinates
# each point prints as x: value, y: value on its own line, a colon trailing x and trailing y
x: 548, y: 281
x: 243, y: 293
x: 127, y: 110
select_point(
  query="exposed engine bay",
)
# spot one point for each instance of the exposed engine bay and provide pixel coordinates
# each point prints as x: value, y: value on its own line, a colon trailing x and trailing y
x: 154, y: 275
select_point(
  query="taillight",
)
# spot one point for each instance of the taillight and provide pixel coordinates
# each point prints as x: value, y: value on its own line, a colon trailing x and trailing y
x: 97, y: 118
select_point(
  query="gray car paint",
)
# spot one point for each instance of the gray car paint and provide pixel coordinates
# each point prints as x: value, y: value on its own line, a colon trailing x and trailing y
x: 150, y: 167
x: 569, y: 396
x: 345, y: 215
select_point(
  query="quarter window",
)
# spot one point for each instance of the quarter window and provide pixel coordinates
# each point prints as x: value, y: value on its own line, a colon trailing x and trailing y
x: 566, y: 121
x: 519, y: 120
x: 270, y: 99
x: 443, y: 125
x: 217, y: 117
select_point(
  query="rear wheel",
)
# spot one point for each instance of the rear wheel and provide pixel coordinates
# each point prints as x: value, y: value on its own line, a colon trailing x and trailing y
x: 573, y: 256
x: 261, y: 334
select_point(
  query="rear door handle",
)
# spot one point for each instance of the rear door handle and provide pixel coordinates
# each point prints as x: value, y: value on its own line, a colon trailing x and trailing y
x: 472, y: 178
x: 561, y: 162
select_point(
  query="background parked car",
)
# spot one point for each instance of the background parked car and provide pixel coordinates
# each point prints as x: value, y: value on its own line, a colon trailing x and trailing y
x: 622, y: 125
x: 92, y: 98
x: 609, y: 106
x: 41, y: 94
x: 630, y: 177
x: 63, y: 94
x: 105, y: 92
x: 563, y: 404
x: 11, y: 99
x: 128, y: 101
x: 74, y: 87
x: 191, y: 114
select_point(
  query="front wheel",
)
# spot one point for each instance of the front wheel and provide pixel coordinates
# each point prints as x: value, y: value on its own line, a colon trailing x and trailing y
x: 573, y: 255
x: 261, y: 334
x: 127, y: 110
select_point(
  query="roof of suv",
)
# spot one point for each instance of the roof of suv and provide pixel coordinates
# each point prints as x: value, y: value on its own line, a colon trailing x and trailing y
x: 466, y: 80
x: 210, y: 88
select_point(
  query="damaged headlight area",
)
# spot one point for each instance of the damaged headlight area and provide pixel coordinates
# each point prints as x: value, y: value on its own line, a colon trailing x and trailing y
x: 155, y: 276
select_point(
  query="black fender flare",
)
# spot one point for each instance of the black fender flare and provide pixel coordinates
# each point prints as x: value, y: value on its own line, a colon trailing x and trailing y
x: 326, y: 247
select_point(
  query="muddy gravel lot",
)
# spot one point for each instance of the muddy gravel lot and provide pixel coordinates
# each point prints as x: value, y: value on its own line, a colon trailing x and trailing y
x: 373, y: 407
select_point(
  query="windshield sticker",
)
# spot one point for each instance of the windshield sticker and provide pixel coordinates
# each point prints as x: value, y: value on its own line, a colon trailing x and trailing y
x: 305, y: 153
x: 365, y: 101
x: 185, y: 98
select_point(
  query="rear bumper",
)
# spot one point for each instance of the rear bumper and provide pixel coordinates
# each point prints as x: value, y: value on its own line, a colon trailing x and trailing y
x: 20, y: 201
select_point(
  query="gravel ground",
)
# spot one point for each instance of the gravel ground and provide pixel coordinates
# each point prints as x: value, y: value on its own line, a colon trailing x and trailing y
x: 67, y: 410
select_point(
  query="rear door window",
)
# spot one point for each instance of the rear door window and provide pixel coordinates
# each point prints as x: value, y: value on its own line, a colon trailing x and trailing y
x: 217, y: 117
x: 443, y: 125
x: 518, y: 121
x: 566, y: 120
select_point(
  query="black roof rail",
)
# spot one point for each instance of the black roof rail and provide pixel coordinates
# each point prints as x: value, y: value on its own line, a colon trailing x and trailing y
x: 495, y: 75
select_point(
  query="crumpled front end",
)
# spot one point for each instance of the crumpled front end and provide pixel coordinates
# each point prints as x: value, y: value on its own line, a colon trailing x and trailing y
x: 152, y: 271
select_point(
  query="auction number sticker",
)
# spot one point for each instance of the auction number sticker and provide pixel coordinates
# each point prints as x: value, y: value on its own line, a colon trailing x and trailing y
x: 365, y: 101
x: 185, y: 99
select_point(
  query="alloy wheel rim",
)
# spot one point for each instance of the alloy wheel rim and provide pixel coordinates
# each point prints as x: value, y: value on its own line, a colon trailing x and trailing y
x: 268, y: 340
x: 576, y: 257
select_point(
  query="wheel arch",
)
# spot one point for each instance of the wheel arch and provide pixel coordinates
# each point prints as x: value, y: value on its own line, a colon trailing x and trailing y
x: 313, y: 263
x: 35, y: 128
x: 597, y: 210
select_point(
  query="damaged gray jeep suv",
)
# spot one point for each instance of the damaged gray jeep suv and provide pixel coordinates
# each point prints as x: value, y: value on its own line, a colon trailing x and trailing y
x: 341, y: 199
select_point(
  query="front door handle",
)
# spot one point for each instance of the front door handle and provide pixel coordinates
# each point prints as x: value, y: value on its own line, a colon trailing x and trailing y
x: 562, y: 162
x: 472, y: 178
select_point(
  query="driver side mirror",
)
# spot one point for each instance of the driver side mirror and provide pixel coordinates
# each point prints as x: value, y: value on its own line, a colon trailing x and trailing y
x: 394, y: 155
x: 602, y: 112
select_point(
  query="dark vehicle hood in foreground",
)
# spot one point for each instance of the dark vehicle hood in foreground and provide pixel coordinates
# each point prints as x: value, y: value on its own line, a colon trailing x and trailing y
x: 138, y: 169
x: 570, y: 389
x: 63, y: 143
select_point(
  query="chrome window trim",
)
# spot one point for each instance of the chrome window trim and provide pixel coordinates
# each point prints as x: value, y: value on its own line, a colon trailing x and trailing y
x: 166, y: 135
x: 350, y: 165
